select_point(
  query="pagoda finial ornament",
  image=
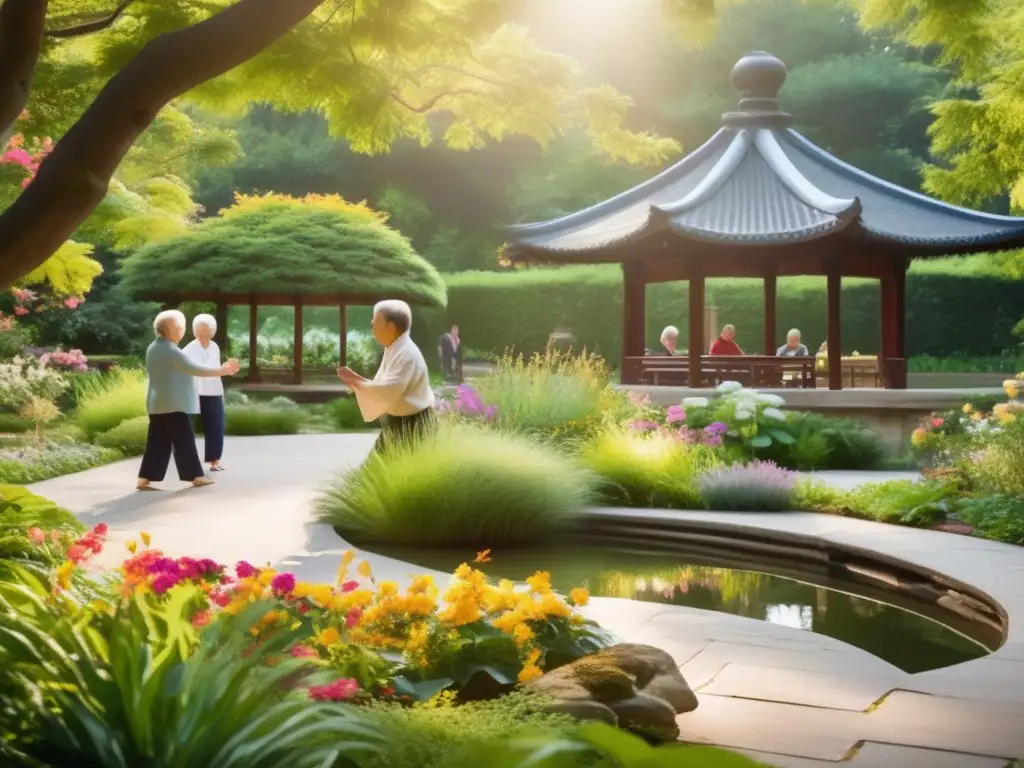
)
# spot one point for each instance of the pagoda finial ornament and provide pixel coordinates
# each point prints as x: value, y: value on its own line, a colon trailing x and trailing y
x: 758, y: 77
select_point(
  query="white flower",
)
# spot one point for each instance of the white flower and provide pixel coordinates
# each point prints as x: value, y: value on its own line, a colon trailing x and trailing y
x: 773, y: 400
x: 744, y: 414
x: 695, y: 402
x: 729, y: 386
x: 774, y: 413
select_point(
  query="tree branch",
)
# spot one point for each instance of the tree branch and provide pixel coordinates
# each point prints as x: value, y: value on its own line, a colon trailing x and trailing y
x: 73, y: 179
x: 21, y: 38
x: 430, y: 103
x: 88, y: 27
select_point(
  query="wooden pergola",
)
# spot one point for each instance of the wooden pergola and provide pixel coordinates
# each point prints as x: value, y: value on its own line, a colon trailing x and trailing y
x: 298, y: 302
x: 759, y: 200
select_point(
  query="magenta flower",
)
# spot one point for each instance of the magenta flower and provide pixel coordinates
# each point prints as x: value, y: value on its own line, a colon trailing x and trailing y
x: 339, y: 690
x: 716, y: 428
x: 300, y: 651
x: 283, y: 583
x: 245, y: 570
x: 164, y: 582
x: 350, y: 586
x: 353, y: 617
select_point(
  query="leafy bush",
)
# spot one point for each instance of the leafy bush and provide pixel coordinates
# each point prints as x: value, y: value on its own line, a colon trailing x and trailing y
x: 107, y: 400
x: 235, y: 397
x: 31, y: 525
x: 999, y: 465
x: 460, y: 486
x: 820, y: 442
x: 11, y: 422
x: 905, y: 502
x: 760, y: 486
x: 816, y: 496
x: 24, y: 464
x: 282, y: 402
x: 262, y: 420
x: 435, y: 734
x: 747, y: 419
x: 647, y: 470
x: 23, y: 378
x: 128, y: 437
x: 345, y: 414
x: 998, y: 517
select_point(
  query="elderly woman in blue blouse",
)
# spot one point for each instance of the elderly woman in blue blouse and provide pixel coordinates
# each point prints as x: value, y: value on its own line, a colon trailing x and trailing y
x: 171, y: 399
x: 203, y: 350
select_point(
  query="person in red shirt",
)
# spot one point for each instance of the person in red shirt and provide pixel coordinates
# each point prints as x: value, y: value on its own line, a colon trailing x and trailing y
x: 725, y: 344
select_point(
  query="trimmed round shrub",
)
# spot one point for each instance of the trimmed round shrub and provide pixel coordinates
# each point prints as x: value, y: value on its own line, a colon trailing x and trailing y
x: 129, y: 437
x: 283, y: 402
x: 345, y: 414
x: 235, y: 397
x: 247, y: 420
x: 640, y: 470
x: 461, y: 486
x: 110, y: 399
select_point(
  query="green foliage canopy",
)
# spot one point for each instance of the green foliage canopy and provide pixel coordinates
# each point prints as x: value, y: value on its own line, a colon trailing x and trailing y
x: 316, y: 246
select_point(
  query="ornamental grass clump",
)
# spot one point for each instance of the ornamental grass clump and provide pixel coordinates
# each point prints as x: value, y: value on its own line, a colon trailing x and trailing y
x: 760, y: 486
x: 248, y: 420
x: 462, y: 485
x: 128, y: 437
x: 106, y: 401
x: 648, y: 469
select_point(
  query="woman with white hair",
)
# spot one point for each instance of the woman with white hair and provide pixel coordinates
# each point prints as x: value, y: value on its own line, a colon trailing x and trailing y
x: 203, y: 350
x: 793, y: 347
x: 669, y: 339
x: 171, y: 399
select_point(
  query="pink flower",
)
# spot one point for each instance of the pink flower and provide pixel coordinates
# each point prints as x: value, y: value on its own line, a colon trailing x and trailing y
x: 937, y: 422
x: 17, y: 156
x: 339, y: 690
x: 244, y: 570
x: 76, y: 553
x: 72, y: 302
x: 353, y: 617
x: 55, y: 536
x: 219, y: 598
x: 675, y: 414
x: 201, y: 619
x: 36, y: 535
x: 100, y: 529
x: 20, y: 310
x: 350, y: 586
x: 283, y: 583
x: 303, y: 652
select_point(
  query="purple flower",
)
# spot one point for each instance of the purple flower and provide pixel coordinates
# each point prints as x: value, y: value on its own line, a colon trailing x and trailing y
x: 283, y: 583
x: 643, y: 425
x: 490, y: 412
x: 675, y: 414
x: 716, y: 428
x: 758, y: 486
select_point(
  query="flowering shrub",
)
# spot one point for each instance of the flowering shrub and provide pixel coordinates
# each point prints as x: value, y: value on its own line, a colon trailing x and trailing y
x: 23, y: 378
x: 21, y: 464
x: 743, y: 417
x: 34, y: 528
x: 467, y: 405
x: 73, y: 360
x: 760, y: 486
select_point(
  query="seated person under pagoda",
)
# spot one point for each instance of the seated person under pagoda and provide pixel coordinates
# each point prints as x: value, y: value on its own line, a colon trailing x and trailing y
x: 670, y: 340
x: 793, y: 347
x: 726, y: 344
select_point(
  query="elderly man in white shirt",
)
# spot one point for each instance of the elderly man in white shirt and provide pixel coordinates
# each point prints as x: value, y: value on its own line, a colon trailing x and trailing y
x: 399, y: 395
x: 203, y: 350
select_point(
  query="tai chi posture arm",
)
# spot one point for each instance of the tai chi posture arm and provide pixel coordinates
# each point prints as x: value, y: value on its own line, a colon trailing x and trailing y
x: 171, y: 400
x: 399, y: 394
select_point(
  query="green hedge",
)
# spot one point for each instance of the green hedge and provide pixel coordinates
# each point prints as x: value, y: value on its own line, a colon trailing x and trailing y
x: 954, y: 306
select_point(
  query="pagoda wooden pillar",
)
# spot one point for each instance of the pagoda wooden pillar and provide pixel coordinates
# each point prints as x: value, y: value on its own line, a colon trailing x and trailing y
x: 342, y: 335
x: 634, y: 319
x: 297, y: 344
x: 894, y: 326
x: 254, y: 329
x: 696, y: 322
x: 835, y: 331
x: 770, y: 337
x: 221, y: 337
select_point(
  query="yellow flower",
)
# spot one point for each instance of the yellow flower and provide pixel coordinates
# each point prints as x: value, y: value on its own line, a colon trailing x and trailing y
x: 968, y: 408
x: 131, y: 546
x: 364, y: 570
x: 423, y: 585
x: 328, y: 637
x: 387, y: 589
x: 460, y: 613
x: 530, y: 672
x: 419, y: 636
x: 534, y: 656
x: 64, y: 574
x: 579, y: 596
x: 540, y: 582
x: 483, y: 557
x: 463, y: 572
x: 977, y: 416
x: 145, y: 538
x: 266, y: 576
x: 1011, y: 387
x: 522, y: 634
x: 323, y: 595
x: 347, y: 557
x: 552, y: 605
x: 303, y: 589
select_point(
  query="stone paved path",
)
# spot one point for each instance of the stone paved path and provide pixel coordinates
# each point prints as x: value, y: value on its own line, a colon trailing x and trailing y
x: 789, y: 697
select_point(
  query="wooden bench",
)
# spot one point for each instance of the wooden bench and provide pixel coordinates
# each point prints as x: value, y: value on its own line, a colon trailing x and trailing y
x: 750, y: 371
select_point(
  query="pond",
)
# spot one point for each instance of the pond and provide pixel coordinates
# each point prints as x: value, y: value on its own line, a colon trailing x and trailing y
x: 903, y: 637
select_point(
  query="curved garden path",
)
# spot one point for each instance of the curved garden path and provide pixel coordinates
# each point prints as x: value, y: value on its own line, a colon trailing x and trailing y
x: 787, y: 696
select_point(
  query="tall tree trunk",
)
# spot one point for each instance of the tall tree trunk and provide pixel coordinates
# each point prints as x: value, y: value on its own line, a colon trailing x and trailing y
x: 21, y: 38
x: 73, y: 179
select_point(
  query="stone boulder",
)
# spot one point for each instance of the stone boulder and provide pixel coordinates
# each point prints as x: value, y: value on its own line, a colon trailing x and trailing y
x: 637, y: 687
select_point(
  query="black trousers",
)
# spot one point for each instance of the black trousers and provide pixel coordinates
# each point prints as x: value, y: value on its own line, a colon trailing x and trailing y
x: 397, y: 429
x: 170, y: 432
x: 211, y: 411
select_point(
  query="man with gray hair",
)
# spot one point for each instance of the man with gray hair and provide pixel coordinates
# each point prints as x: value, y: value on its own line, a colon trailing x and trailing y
x: 793, y: 347
x: 399, y: 395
